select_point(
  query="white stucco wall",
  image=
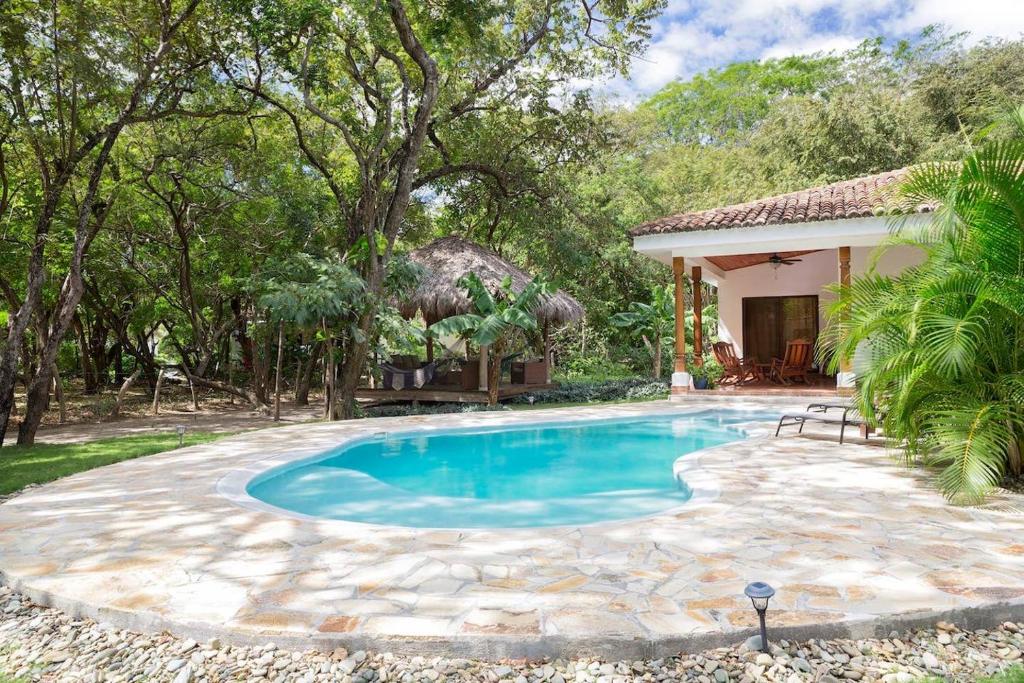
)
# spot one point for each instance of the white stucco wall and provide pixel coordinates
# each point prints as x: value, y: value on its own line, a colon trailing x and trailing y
x: 808, y: 277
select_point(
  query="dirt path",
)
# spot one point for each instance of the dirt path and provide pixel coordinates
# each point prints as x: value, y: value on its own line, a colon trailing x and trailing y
x: 220, y: 419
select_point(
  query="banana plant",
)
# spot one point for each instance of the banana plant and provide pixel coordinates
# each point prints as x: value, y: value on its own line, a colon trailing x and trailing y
x: 653, y: 322
x: 498, y: 320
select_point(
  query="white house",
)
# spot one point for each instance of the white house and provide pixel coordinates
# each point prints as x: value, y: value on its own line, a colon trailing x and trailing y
x: 771, y: 259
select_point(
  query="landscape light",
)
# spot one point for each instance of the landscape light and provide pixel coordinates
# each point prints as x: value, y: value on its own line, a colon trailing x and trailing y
x: 760, y: 593
x: 180, y: 429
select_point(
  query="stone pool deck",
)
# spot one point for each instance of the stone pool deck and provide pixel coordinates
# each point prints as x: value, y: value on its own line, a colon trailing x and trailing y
x: 853, y: 543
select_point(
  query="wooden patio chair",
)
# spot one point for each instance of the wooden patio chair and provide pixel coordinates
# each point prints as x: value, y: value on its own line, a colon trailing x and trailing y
x: 737, y: 370
x: 795, y: 365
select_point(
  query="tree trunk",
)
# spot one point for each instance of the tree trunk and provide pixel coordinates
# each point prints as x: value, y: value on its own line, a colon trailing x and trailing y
x: 351, y: 373
x: 277, y: 379
x: 330, y: 377
x: 247, y: 395
x: 657, y: 356
x: 116, y: 412
x: 156, y: 392
x: 58, y: 391
x: 493, y: 376
x: 192, y: 388
x: 85, y: 358
x: 302, y: 386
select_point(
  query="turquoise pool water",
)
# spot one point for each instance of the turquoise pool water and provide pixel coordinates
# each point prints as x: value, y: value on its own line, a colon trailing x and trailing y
x: 552, y: 474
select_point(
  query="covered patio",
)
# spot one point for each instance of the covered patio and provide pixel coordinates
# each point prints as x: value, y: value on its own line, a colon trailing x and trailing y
x: 463, y: 378
x: 771, y: 261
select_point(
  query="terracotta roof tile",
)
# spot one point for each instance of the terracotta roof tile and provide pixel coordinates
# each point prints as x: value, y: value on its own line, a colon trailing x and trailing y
x: 858, y: 197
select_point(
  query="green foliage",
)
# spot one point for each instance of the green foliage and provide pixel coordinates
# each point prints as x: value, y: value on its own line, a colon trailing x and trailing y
x: 634, y: 389
x: 723, y: 105
x: 497, y: 316
x: 592, y: 367
x: 22, y: 466
x: 306, y: 290
x: 653, y: 322
x: 710, y: 370
x: 940, y: 348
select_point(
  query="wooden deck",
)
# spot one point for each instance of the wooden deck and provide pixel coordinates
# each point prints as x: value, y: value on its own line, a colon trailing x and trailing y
x: 433, y: 394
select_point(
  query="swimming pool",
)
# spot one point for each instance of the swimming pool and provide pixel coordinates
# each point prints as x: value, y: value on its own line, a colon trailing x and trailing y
x: 548, y: 474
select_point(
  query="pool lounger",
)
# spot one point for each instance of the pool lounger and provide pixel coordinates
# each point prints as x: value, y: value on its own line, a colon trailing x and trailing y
x: 818, y: 412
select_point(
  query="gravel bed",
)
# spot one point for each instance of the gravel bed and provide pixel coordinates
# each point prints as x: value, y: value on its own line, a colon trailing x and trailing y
x: 43, y: 644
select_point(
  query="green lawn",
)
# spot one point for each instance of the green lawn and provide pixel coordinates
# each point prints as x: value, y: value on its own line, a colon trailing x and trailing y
x: 20, y: 466
x: 1012, y: 675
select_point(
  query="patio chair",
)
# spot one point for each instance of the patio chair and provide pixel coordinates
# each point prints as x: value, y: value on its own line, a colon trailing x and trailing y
x: 737, y: 370
x: 795, y: 365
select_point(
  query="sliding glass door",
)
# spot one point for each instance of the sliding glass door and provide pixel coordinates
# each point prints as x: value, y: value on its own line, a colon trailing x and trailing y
x: 771, y: 321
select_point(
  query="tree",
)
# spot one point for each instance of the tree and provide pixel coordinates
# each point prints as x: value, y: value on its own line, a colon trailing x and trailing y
x: 376, y: 99
x: 653, y: 322
x: 316, y: 293
x: 498, y: 320
x: 79, y: 74
x: 939, y: 349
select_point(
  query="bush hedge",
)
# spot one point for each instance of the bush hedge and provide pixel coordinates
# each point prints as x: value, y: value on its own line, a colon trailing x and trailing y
x: 594, y: 392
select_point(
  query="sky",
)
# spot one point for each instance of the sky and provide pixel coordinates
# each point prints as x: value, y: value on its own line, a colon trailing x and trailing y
x: 694, y: 35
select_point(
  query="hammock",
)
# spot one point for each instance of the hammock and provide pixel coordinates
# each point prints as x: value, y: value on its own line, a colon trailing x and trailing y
x: 398, y: 378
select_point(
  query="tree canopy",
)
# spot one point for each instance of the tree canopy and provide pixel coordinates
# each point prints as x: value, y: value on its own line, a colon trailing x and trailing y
x: 177, y: 178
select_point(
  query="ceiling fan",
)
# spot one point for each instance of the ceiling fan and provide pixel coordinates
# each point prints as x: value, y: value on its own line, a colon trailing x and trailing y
x: 777, y: 261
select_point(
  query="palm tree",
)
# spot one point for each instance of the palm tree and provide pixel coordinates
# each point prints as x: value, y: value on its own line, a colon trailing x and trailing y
x: 497, y: 321
x: 940, y: 347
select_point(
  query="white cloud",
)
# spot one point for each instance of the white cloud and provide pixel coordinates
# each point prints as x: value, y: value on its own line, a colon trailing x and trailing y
x: 983, y: 18
x: 811, y: 45
x: 695, y: 35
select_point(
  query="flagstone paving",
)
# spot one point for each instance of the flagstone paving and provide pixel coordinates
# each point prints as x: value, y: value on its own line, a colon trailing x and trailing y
x: 852, y: 542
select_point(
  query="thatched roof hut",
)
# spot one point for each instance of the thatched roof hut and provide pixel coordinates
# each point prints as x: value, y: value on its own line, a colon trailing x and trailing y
x: 447, y: 259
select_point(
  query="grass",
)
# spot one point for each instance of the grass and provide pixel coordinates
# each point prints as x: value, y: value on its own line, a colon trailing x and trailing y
x: 21, y: 466
x: 1012, y: 675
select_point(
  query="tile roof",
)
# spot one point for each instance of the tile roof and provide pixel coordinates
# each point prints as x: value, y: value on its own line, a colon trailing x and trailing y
x: 856, y: 198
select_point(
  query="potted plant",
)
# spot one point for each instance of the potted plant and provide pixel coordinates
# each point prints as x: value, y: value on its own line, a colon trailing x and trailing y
x: 706, y: 375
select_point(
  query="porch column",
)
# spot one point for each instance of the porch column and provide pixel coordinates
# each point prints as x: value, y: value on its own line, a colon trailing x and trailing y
x: 844, y: 380
x: 483, y: 368
x: 547, y: 352
x: 680, y: 377
x: 698, y: 319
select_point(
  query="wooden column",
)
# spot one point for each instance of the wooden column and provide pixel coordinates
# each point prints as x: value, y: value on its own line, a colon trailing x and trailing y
x: 698, y: 319
x: 430, y: 349
x: 844, y: 280
x: 846, y: 364
x: 547, y: 352
x: 677, y: 271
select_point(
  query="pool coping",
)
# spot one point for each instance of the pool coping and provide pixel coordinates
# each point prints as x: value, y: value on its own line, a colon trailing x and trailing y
x: 975, y: 613
x: 704, y: 488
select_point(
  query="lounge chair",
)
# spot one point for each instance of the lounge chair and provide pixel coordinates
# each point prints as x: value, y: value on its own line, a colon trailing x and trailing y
x: 817, y: 416
x: 818, y: 412
x: 795, y: 365
x: 737, y: 370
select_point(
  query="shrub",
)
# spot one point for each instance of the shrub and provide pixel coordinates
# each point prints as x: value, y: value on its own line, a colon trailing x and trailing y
x: 402, y: 409
x: 592, y: 392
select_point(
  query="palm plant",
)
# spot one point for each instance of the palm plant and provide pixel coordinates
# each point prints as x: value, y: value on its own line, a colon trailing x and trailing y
x: 940, y: 347
x: 497, y: 321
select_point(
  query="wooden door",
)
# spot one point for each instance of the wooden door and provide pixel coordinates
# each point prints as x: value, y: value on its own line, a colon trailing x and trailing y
x: 771, y: 321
